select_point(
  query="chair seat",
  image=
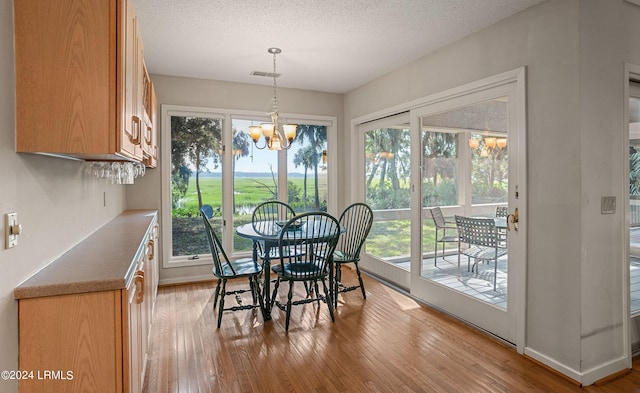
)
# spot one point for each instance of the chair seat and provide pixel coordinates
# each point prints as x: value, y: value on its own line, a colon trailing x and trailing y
x: 244, y: 267
x: 448, y: 239
x: 480, y: 252
x: 307, y: 270
x: 341, y: 257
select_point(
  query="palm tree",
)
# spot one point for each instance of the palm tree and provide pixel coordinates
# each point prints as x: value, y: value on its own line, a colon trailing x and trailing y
x: 241, y: 146
x: 196, y: 139
x: 304, y: 157
x: 317, y: 137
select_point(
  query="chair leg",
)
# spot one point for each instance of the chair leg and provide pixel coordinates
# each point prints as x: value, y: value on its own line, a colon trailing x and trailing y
x: 217, y: 293
x: 364, y: 294
x: 435, y: 255
x: 221, y: 305
x: 275, y: 292
x: 495, y: 274
x: 259, y: 295
x: 329, y: 303
x: 289, y: 296
x: 315, y: 286
x: 336, y: 283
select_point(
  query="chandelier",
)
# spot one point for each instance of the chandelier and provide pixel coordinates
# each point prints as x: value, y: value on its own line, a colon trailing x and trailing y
x: 491, y: 143
x: 275, y: 137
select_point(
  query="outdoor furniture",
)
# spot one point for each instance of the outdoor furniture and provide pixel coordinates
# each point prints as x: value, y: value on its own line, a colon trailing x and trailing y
x: 502, y: 212
x: 316, y: 233
x: 441, y: 236
x: 479, y: 240
x: 224, y: 270
x: 356, y: 220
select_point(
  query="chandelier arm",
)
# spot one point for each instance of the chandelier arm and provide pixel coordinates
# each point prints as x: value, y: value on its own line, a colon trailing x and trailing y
x: 255, y: 143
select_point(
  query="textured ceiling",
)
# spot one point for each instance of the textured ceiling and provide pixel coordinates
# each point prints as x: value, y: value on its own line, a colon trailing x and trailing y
x: 327, y: 45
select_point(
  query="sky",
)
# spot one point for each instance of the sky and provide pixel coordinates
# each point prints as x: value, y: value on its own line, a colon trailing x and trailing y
x: 259, y: 160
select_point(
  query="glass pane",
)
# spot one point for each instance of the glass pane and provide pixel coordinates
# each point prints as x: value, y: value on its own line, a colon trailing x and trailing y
x: 387, y: 177
x: 195, y: 159
x: 439, y: 168
x: 306, y: 170
x: 634, y: 197
x: 489, y: 181
x: 465, y: 172
x: 255, y: 177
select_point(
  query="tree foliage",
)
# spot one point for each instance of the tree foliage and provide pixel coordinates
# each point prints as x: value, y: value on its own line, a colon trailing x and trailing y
x: 316, y: 138
x: 193, y: 141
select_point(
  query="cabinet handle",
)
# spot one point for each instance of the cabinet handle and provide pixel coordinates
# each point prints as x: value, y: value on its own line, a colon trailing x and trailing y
x: 147, y: 136
x: 151, y: 249
x: 139, y: 283
x: 135, y: 137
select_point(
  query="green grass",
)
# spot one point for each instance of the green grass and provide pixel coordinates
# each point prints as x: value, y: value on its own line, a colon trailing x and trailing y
x: 387, y: 239
x: 247, y: 191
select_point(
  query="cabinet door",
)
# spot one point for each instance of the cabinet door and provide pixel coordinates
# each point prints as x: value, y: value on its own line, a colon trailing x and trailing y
x: 72, y: 343
x: 151, y: 160
x: 130, y: 135
x: 134, y: 332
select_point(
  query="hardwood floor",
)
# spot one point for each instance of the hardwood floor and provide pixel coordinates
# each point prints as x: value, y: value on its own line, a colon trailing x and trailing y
x: 388, y: 343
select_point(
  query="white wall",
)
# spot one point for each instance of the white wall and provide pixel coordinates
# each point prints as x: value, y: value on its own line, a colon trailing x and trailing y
x: 56, y: 203
x: 574, y: 51
x: 224, y: 95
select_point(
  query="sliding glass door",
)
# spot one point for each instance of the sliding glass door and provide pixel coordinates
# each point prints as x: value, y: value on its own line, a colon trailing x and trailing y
x: 386, y: 175
x: 459, y: 153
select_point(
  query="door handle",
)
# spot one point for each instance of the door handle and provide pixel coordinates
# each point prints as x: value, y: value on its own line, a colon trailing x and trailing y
x: 514, y: 220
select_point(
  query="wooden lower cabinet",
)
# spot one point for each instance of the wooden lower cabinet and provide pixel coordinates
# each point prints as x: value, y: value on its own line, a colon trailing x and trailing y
x: 84, y: 322
x: 89, y: 342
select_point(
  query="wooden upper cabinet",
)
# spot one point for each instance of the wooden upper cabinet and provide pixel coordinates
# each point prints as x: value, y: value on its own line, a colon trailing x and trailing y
x: 78, y: 79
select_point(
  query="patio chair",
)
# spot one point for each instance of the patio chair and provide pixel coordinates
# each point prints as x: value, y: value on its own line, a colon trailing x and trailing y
x: 316, y: 233
x: 356, y: 220
x: 502, y: 212
x: 441, y: 236
x: 224, y: 270
x: 480, y: 237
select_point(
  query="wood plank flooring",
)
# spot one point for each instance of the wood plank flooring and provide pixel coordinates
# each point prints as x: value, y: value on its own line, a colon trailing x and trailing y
x: 388, y: 343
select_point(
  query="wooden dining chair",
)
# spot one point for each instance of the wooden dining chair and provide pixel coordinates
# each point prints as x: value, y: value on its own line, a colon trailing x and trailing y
x: 478, y: 239
x: 225, y: 270
x: 316, y: 235
x: 267, y: 218
x: 355, y: 222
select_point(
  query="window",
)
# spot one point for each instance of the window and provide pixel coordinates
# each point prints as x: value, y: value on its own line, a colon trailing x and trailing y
x: 387, y: 187
x: 215, y: 164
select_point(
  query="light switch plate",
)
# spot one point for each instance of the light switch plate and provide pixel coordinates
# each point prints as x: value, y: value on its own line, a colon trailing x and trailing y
x: 608, y: 205
x: 10, y: 220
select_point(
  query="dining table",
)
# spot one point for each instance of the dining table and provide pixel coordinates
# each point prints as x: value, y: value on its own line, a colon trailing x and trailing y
x: 267, y: 233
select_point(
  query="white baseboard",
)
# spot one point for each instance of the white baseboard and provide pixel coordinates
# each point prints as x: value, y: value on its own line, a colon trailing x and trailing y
x: 585, y: 378
x: 604, y: 370
x: 185, y: 280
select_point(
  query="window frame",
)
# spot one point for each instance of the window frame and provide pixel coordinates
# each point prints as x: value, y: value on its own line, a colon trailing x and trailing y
x: 227, y: 115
